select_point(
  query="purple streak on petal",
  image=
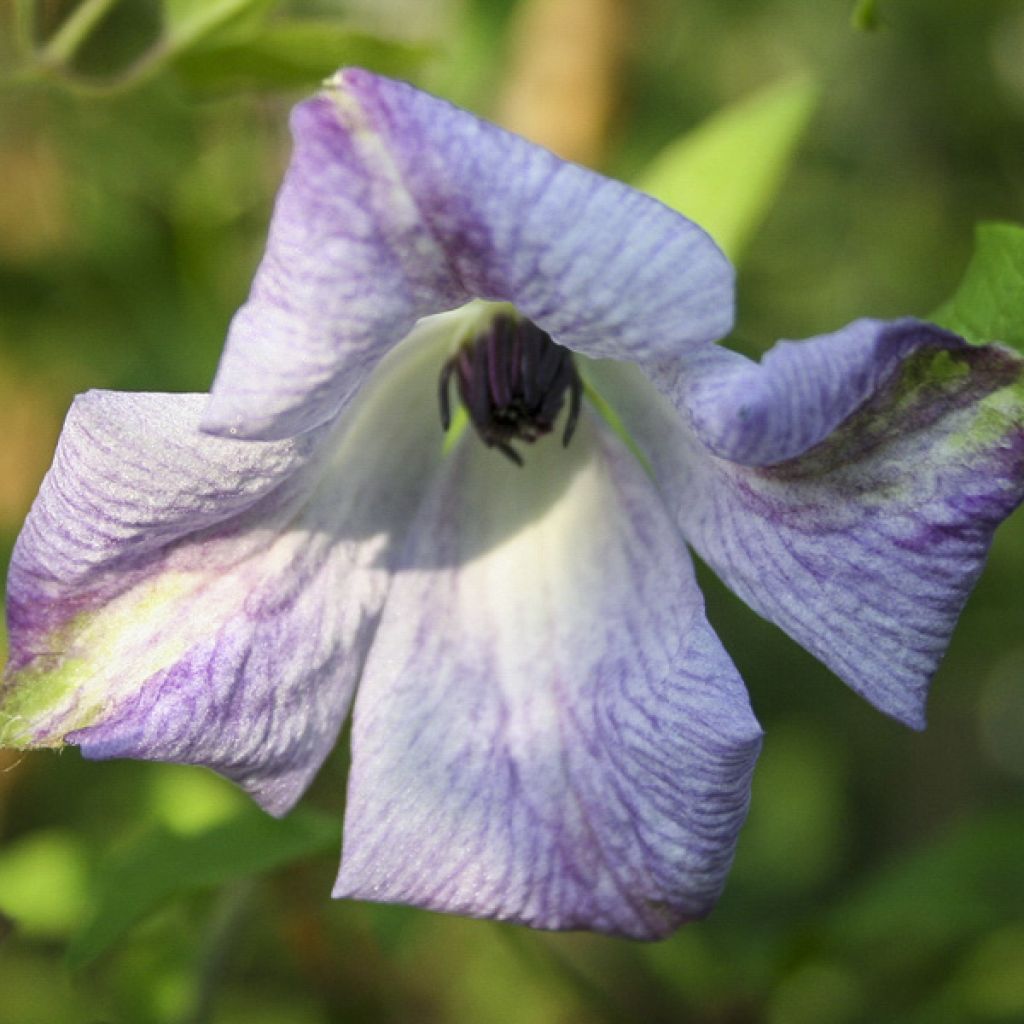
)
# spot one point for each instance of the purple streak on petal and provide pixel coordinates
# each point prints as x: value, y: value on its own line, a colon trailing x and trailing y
x: 262, y: 697
x: 547, y: 730
x: 601, y: 267
x: 131, y: 477
x: 347, y: 270
x: 268, y: 563
x: 760, y: 413
x: 397, y: 204
x: 864, y: 548
x: 137, y: 494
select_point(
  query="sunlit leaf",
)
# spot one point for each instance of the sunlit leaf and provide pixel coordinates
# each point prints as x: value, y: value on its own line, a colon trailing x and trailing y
x: 293, y: 53
x: 989, y: 303
x: 162, y: 865
x: 188, y: 21
x: 726, y: 173
x: 190, y: 802
x: 42, y: 883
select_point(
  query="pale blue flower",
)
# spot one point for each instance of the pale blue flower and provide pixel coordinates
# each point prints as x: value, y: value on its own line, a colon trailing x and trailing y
x: 546, y: 729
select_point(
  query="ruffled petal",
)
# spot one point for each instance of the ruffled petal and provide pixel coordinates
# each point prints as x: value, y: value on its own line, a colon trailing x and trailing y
x: 397, y: 204
x: 131, y: 477
x: 547, y: 730
x: 864, y: 547
x: 180, y: 597
x: 767, y: 412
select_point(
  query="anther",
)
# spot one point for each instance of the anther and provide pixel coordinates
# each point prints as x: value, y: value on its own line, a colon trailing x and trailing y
x: 512, y: 379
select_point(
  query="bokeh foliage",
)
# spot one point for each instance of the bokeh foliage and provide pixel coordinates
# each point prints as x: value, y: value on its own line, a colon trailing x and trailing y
x: 879, y: 876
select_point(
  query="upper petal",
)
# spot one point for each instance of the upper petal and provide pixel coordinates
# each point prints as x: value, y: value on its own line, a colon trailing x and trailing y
x: 181, y: 597
x: 864, y: 547
x: 547, y: 730
x: 397, y: 204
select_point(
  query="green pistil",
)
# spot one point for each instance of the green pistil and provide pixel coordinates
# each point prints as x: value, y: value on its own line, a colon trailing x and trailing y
x: 604, y: 409
x: 460, y: 420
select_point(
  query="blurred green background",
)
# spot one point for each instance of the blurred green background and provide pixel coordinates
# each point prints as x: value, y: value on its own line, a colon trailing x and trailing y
x: 881, y: 874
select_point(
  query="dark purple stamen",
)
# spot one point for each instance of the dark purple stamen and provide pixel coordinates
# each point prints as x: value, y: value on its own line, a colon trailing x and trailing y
x: 512, y: 379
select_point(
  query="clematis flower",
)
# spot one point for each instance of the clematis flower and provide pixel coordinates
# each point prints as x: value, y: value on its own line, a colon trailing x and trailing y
x: 546, y: 728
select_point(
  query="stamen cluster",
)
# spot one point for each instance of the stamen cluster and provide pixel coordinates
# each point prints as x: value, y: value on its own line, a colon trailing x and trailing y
x: 512, y: 379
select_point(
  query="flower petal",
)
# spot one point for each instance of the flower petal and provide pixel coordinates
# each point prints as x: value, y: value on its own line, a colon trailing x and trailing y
x: 130, y: 478
x: 547, y: 730
x: 763, y: 413
x: 180, y: 597
x: 864, y: 547
x: 397, y: 204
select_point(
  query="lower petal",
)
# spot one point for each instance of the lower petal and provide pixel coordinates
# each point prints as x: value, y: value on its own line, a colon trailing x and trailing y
x: 547, y: 730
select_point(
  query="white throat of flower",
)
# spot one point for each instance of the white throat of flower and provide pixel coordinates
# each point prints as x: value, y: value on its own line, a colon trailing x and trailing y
x: 513, y: 381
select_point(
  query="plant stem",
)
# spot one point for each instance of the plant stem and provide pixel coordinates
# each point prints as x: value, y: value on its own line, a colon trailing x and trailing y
x: 64, y: 43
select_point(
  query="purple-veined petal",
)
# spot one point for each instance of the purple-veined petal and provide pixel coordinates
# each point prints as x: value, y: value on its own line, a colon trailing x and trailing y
x: 762, y: 413
x: 130, y: 478
x: 865, y: 547
x: 181, y: 597
x: 397, y: 204
x: 547, y: 730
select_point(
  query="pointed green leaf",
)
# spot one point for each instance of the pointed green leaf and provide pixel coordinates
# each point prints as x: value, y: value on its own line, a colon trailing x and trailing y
x: 989, y: 303
x: 725, y: 173
x: 162, y: 865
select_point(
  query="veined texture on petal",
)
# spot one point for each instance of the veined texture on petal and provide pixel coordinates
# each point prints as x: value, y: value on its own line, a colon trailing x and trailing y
x: 886, y: 455
x: 763, y: 413
x: 547, y: 730
x: 188, y: 598
x: 397, y: 204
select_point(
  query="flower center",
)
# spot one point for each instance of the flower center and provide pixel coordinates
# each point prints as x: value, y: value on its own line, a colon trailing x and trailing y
x: 512, y: 379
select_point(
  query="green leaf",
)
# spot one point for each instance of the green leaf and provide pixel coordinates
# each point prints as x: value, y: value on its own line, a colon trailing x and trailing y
x: 726, y: 173
x: 989, y: 303
x: 162, y: 865
x: 285, y: 53
x: 965, y: 883
x: 186, y: 22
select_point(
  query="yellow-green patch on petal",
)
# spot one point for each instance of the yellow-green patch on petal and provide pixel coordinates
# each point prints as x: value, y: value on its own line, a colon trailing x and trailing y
x: 141, y: 632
